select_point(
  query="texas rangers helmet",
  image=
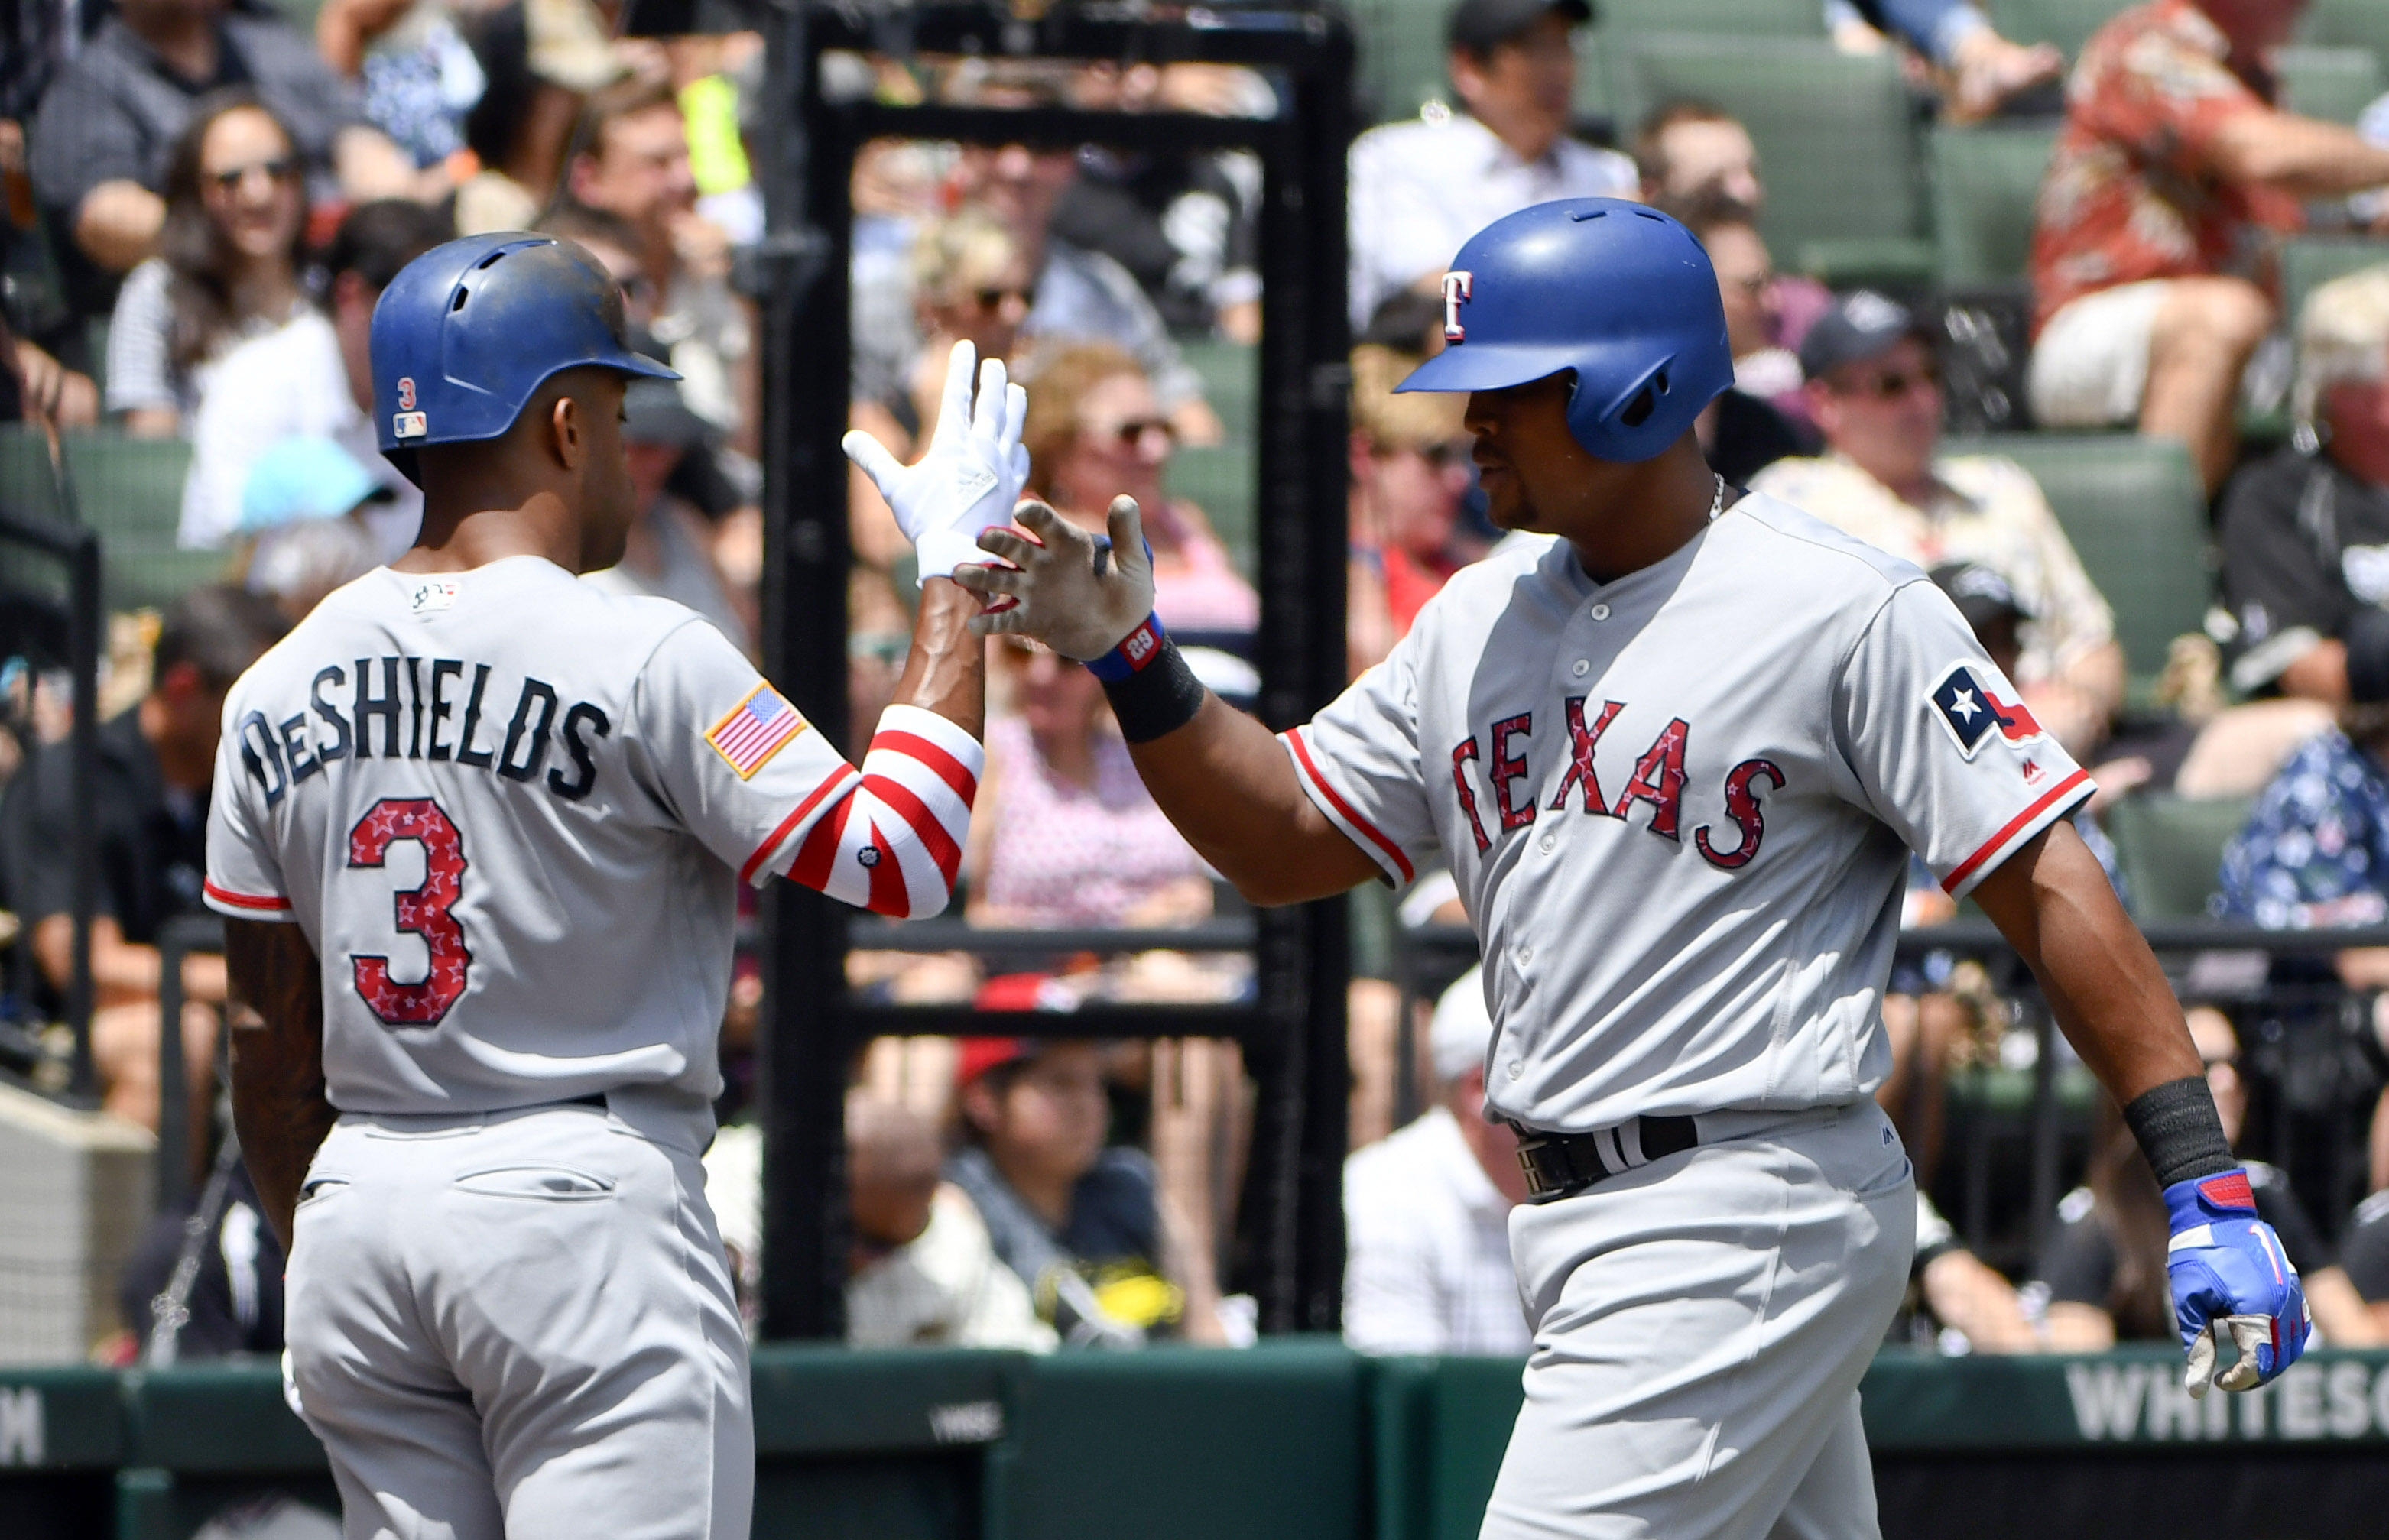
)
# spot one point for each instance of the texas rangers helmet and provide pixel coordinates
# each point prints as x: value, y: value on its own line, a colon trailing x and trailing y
x: 468, y: 332
x: 1619, y: 293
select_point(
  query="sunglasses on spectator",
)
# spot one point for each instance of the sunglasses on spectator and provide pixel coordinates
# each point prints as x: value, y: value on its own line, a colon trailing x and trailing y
x: 277, y: 171
x: 1131, y: 433
x: 992, y: 299
x: 1892, y: 383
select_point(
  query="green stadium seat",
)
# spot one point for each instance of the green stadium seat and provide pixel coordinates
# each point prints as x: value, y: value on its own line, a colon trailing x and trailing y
x: 131, y: 490
x: 2310, y: 261
x: 1231, y: 383
x: 1725, y: 18
x: 1836, y: 136
x: 2135, y: 514
x: 2067, y: 23
x: 2336, y: 84
x: 1984, y: 183
x: 1224, y: 481
x: 2171, y: 849
x: 2349, y: 24
x: 26, y: 485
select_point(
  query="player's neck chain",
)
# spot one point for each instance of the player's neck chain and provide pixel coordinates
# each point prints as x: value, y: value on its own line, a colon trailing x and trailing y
x: 1717, y: 502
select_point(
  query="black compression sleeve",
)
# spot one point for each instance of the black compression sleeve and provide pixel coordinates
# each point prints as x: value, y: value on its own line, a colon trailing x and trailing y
x: 2179, y: 1131
x: 1157, y: 699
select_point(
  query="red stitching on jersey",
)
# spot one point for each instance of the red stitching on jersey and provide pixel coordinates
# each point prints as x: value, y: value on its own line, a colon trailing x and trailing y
x: 242, y: 901
x: 1302, y: 757
x: 1949, y: 884
x: 950, y: 771
x: 747, y: 873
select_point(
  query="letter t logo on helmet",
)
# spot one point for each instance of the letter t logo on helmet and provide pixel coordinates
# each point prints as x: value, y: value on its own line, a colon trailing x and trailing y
x: 1457, y: 287
x: 1618, y: 295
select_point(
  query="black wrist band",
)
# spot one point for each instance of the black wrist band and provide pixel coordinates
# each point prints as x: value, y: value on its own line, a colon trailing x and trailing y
x: 2179, y: 1131
x: 1159, y: 698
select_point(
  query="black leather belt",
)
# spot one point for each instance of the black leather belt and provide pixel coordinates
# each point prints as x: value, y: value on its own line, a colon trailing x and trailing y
x: 1561, y: 1165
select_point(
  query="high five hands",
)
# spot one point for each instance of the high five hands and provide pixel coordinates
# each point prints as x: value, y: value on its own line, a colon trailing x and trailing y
x: 972, y: 475
x: 1078, y: 593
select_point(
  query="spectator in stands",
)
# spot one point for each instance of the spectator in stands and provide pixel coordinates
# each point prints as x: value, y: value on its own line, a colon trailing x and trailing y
x: 1083, y: 1225
x: 1984, y: 71
x: 1955, y: 1291
x: 235, y: 1298
x: 305, y: 510
x: 1748, y: 429
x: 1065, y: 832
x: 156, y: 764
x: 1420, y: 189
x: 99, y: 146
x: 922, y: 1271
x: 1096, y: 429
x: 1875, y: 390
x: 416, y: 74
x: 2105, y: 1265
x: 1427, y: 1210
x: 311, y: 378
x: 1409, y: 457
x: 1184, y: 223
x: 669, y: 552
x: 227, y: 268
x: 35, y: 388
x: 1695, y: 157
x: 2305, y: 533
x: 971, y: 283
x: 636, y: 167
x: 2364, y: 1253
x: 1081, y: 295
x: 2172, y: 166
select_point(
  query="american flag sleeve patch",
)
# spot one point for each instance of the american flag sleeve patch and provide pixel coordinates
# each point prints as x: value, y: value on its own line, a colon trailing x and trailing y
x: 893, y: 843
x: 754, y: 730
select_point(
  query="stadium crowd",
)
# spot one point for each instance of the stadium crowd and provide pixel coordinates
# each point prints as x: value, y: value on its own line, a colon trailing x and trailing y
x: 203, y: 203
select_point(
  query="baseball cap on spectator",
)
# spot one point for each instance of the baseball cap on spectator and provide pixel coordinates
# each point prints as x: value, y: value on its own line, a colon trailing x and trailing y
x: 1982, y: 594
x: 1861, y: 326
x: 653, y: 413
x: 2342, y: 334
x: 1462, y: 1029
x: 301, y: 478
x: 980, y: 1055
x: 1479, y: 26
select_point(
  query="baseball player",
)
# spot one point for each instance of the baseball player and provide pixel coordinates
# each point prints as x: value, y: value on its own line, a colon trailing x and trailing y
x: 478, y: 833
x: 1676, y: 758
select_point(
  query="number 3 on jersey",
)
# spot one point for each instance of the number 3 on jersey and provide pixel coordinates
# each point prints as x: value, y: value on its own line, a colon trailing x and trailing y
x: 422, y: 911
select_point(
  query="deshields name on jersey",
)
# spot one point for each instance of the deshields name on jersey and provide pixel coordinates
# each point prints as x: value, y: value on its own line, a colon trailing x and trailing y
x: 437, y: 708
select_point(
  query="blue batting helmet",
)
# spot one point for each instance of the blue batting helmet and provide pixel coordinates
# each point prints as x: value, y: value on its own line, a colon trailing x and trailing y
x: 468, y: 331
x: 1621, y: 294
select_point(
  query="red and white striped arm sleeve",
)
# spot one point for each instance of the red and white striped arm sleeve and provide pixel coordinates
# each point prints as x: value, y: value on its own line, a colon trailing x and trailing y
x: 891, y: 840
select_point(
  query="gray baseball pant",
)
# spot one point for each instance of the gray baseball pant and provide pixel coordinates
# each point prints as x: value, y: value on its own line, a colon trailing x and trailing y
x: 1701, y: 1325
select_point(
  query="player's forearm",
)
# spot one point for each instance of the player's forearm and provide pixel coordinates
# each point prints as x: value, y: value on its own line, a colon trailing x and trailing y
x: 946, y: 671
x: 1224, y: 781
x: 2053, y: 904
x: 279, y: 1108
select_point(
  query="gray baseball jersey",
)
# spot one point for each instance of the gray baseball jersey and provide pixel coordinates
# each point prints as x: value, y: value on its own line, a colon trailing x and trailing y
x: 1678, y: 806
x: 510, y: 812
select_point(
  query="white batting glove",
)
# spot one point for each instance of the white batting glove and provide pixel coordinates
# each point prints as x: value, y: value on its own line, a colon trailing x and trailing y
x: 1078, y: 593
x: 972, y: 475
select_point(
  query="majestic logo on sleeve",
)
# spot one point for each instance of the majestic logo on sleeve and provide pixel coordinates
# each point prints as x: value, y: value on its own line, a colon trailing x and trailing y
x: 1458, y: 285
x: 1972, y: 712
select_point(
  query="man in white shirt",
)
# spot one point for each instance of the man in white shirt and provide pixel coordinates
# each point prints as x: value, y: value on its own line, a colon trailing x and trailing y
x: 1427, y: 1211
x: 1420, y: 188
x: 311, y: 380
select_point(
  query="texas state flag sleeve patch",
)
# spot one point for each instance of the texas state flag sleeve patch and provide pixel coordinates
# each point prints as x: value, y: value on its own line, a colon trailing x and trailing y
x: 755, y: 728
x: 1973, y: 713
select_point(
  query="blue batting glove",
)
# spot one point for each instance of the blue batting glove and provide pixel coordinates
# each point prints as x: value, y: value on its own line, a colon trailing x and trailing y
x: 2230, y: 1275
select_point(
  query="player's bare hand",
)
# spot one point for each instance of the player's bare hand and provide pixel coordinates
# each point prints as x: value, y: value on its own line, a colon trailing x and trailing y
x: 1078, y: 593
x: 972, y: 475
